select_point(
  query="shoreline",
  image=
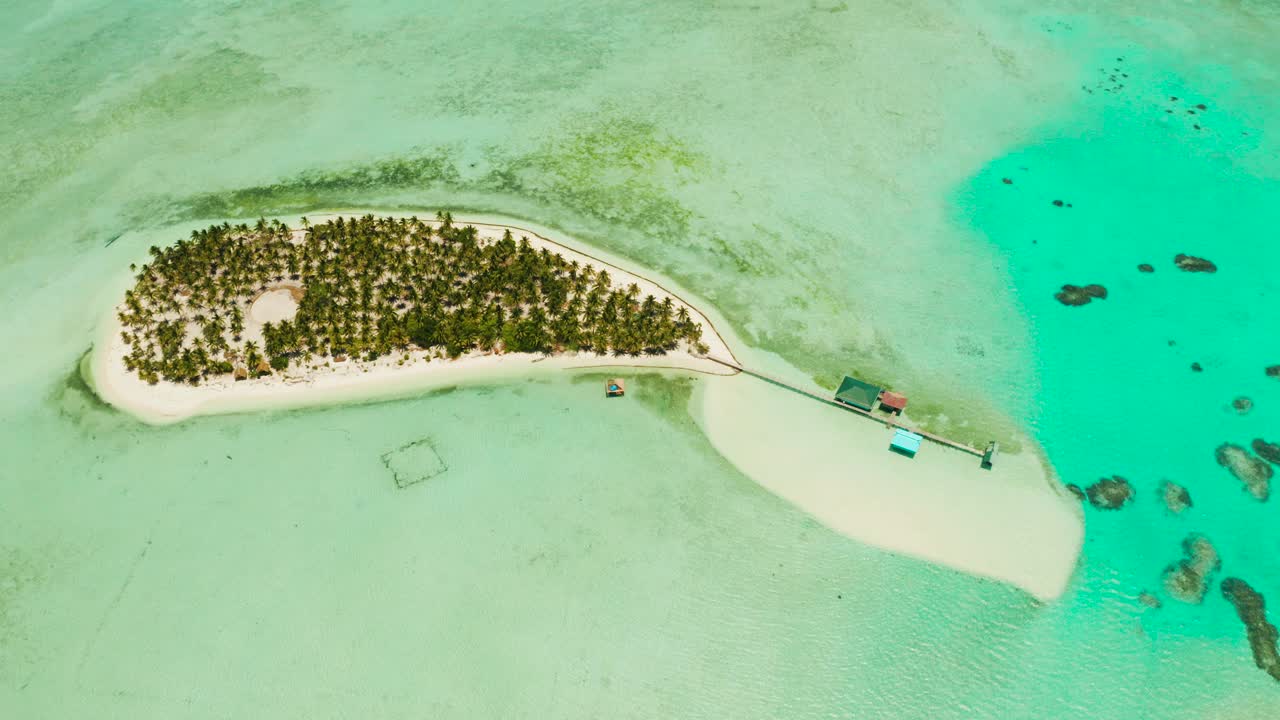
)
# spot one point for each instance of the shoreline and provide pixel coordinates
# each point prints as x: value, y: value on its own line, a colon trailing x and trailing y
x: 387, y: 377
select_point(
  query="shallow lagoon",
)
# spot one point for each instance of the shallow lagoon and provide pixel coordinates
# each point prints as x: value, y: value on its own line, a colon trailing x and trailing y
x: 146, y: 574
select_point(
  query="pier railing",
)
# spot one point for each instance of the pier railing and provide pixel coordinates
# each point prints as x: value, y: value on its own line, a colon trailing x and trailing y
x: 956, y: 445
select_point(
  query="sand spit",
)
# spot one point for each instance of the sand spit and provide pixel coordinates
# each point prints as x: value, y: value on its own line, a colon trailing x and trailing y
x: 1013, y: 523
x: 391, y: 376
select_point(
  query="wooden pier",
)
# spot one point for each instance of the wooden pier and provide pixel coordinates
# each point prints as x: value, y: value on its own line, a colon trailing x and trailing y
x: 865, y: 413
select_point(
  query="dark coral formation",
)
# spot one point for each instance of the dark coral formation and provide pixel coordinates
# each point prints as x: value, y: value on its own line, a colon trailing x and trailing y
x: 1242, y: 404
x: 1196, y: 367
x: 1267, y: 450
x: 1110, y: 493
x: 1176, y: 497
x: 1075, y: 295
x: 1076, y: 491
x: 1150, y: 600
x: 1110, y: 80
x: 1251, y: 607
x: 1273, y: 371
x: 1146, y: 268
x: 1191, y: 263
x: 1255, y: 473
x: 1189, y: 578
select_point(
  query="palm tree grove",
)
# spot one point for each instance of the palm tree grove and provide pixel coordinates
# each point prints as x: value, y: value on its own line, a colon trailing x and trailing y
x: 371, y: 287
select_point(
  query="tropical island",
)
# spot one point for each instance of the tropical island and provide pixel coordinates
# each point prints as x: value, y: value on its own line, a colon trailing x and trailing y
x: 234, y: 309
x: 238, y: 317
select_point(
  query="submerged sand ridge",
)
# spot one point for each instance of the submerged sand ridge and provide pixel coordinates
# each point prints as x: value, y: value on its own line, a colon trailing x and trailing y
x: 1012, y: 523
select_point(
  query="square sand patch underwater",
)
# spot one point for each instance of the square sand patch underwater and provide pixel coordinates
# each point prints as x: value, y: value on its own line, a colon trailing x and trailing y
x: 414, y: 463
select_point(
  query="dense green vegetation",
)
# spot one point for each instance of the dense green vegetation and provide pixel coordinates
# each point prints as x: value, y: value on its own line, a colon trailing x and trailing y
x: 371, y: 287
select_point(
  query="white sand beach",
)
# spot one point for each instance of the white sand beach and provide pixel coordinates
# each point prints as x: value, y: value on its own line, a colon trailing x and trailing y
x: 352, y: 380
x: 1013, y: 523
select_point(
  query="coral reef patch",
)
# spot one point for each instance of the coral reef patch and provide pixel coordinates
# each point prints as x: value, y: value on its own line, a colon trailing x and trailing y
x: 1268, y: 451
x: 1251, y: 607
x: 1191, y: 263
x: 1254, y: 472
x: 1176, y: 497
x: 1076, y: 295
x: 1110, y: 493
x: 1189, y: 578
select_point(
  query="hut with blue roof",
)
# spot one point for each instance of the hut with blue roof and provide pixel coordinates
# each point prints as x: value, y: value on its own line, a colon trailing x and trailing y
x: 906, y: 442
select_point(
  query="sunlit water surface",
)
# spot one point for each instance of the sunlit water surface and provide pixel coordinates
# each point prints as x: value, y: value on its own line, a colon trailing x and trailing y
x: 829, y: 175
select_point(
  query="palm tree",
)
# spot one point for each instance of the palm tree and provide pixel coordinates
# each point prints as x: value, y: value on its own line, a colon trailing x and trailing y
x: 369, y: 283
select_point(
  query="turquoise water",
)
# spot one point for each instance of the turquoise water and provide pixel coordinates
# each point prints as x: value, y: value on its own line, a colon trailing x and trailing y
x: 1117, y: 395
x: 828, y: 174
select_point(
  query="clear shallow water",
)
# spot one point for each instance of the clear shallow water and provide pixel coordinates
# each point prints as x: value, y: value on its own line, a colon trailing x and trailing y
x: 634, y: 573
x: 1118, y: 395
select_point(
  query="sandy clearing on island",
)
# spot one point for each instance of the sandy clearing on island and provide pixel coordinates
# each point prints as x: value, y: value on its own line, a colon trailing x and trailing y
x: 273, y: 306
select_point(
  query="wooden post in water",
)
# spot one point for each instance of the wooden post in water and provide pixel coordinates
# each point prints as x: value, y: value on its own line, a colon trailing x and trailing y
x: 989, y: 455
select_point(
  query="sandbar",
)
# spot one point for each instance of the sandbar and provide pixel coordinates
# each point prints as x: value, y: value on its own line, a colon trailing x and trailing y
x: 1013, y: 523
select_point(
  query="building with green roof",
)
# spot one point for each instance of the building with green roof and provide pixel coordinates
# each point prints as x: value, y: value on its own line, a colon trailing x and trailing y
x: 856, y: 393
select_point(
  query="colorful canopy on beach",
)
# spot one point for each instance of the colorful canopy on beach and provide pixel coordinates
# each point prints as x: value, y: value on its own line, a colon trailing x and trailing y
x: 906, y: 442
x: 893, y: 400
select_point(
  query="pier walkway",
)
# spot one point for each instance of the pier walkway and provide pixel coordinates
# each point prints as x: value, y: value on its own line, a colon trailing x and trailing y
x: 865, y: 413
